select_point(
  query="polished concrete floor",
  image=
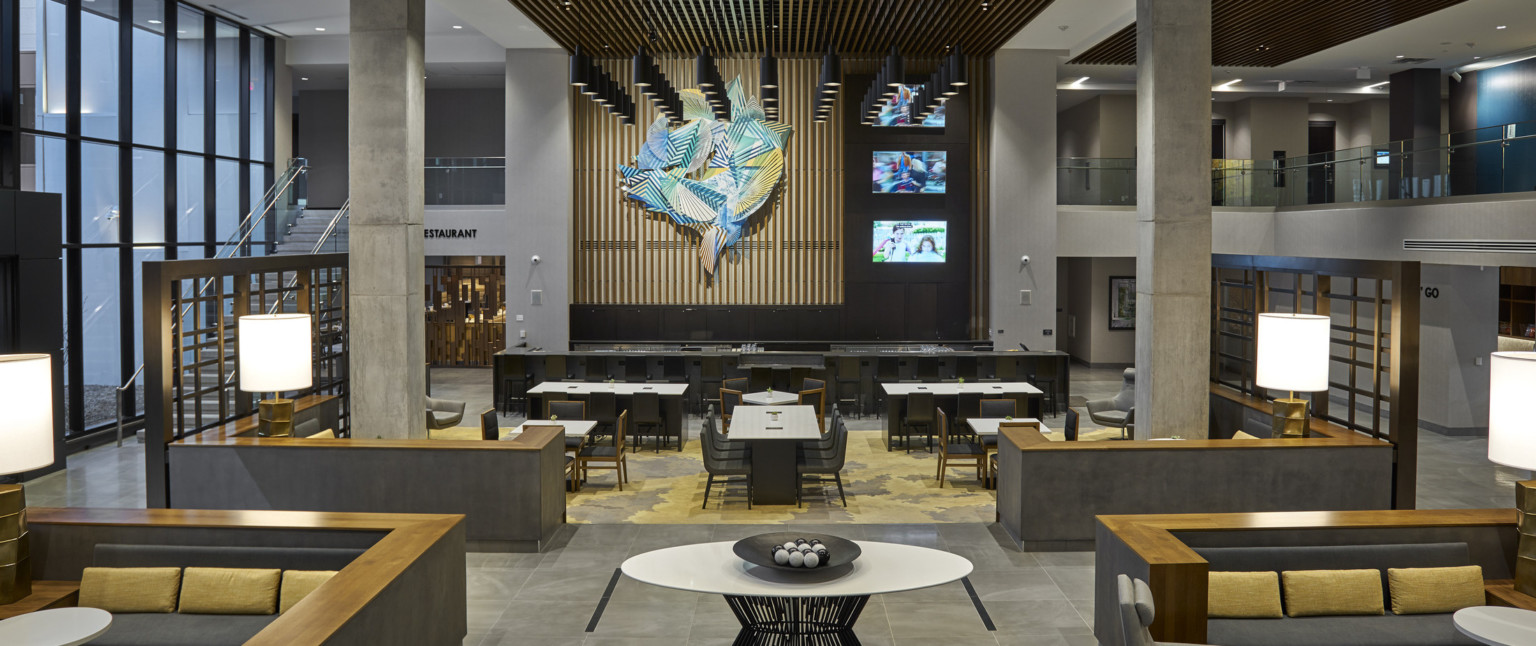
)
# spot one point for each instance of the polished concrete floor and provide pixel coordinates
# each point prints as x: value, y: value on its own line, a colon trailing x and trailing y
x: 551, y: 598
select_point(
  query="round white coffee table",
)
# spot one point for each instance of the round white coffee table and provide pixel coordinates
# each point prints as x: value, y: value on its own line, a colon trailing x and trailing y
x: 56, y: 627
x: 816, y: 606
x: 1497, y: 625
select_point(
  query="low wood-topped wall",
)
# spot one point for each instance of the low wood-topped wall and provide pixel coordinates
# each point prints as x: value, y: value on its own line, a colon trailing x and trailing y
x: 1048, y: 492
x: 1158, y: 549
x: 408, y: 587
x: 511, y: 492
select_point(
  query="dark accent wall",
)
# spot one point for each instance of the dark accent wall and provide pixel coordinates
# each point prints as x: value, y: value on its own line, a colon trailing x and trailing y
x: 1487, y: 98
x: 31, y: 228
x: 1413, y: 114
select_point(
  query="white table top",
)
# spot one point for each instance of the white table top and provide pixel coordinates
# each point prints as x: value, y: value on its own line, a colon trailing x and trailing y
x: 950, y: 389
x: 712, y: 568
x: 988, y: 425
x: 56, y: 627
x: 617, y: 388
x: 757, y: 423
x: 1497, y: 625
x: 573, y: 427
x: 773, y: 398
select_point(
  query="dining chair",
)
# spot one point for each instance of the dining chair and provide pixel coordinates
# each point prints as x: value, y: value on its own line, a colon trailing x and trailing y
x: 919, y: 414
x: 811, y: 383
x: 848, y: 381
x: 967, y: 405
x: 816, y: 399
x: 998, y: 408
x: 609, y: 458
x: 603, y: 406
x: 490, y: 426
x: 721, y: 463
x: 738, y: 384
x: 568, y: 409
x: 822, y: 464
x: 966, y: 453
x: 729, y: 400
x: 1070, y: 429
x: 646, y: 407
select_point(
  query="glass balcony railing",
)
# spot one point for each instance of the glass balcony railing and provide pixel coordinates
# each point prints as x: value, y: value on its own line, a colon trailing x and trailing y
x: 1498, y: 159
x: 466, y: 180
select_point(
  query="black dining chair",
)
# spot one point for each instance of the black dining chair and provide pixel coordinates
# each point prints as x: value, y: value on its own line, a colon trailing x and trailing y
x: 822, y: 464
x: 952, y: 449
x: 562, y: 409
x: 645, y: 412
x: 848, y: 381
x: 1070, y: 430
x: 721, y: 463
x: 817, y: 400
x: 998, y: 408
x: 603, y: 406
x: 919, y: 414
x: 729, y: 400
x: 490, y: 426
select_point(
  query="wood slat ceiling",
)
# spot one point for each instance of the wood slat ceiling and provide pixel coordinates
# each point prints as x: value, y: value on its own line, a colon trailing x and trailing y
x: 1266, y: 33
x: 683, y: 27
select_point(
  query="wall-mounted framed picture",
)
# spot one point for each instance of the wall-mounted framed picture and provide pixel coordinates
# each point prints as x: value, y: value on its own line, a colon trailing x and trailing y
x: 1122, y: 302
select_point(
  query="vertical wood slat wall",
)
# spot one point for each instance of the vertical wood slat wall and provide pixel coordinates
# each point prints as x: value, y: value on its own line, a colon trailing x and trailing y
x: 791, y: 252
x: 979, y: 71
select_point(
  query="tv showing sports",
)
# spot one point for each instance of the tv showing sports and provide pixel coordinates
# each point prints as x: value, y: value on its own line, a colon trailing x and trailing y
x: 905, y: 108
x: 910, y: 240
x: 910, y: 172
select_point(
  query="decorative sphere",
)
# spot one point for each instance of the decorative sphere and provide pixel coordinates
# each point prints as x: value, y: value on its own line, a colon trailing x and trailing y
x: 811, y: 559
x: 781, y: 556
x: 815, y: 542
x: 799, y: 541
x: 789, y: 545
x: 822, y: 552
x: 796, y: 559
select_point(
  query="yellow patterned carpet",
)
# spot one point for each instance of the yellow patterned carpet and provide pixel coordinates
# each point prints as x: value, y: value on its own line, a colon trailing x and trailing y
x: 882, y: 487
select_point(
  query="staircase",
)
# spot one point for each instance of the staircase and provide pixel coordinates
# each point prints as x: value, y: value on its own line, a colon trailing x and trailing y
x: 307, y: 229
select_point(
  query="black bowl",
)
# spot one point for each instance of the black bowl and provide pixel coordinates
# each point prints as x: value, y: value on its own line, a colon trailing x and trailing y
x: 758, y: 550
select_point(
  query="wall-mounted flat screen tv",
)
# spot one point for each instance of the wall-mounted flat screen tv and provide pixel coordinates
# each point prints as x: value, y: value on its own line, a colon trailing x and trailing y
x: 910, y: 240
x: 906, y: 108
x: 910, y: 172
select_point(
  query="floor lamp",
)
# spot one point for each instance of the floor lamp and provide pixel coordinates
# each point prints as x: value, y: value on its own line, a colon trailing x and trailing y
x: 26, y: 444
x: 1512, y: 443
x: 274, y: 352
x: 1292, y: 356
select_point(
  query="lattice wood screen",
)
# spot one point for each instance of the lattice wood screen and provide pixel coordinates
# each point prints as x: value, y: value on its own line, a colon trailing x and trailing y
x: 466, y: 320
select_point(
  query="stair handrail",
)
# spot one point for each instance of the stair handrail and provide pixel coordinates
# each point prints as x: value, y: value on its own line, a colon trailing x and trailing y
x: 296, y: 166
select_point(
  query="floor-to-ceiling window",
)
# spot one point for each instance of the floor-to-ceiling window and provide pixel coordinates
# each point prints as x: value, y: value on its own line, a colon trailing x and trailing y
x: 153, y: 120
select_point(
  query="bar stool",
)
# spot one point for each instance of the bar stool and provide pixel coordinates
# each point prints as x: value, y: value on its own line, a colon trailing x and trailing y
x: 1048, y: 386
x: 516, y: 390
x: 847, y: 383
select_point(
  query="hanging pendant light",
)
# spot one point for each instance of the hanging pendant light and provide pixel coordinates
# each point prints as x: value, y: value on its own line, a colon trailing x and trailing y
x: 768, y: 71
x: 896, y: 68
x: 957, y: 75
x: 580, y: 67
x: 704, y: 66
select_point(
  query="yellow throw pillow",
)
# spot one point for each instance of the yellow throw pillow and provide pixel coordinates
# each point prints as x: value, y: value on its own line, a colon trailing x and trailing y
x: 323, y: 435
x: 1426, y: 590
x: 130, y: 589
x: 1244, y: 595
x: 1240, y: 435
x: 229, y: 591
x: 297, y: 584
x: 1310, y: 593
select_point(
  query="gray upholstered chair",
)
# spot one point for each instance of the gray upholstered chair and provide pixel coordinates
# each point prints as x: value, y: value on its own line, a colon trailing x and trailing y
x: 443, y: 413
x: 1112, y: 412
x: 1137, y: 613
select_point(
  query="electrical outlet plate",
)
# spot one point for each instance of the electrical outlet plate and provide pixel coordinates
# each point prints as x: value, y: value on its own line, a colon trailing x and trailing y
x: 1025, y: 297
x: 536, y: 297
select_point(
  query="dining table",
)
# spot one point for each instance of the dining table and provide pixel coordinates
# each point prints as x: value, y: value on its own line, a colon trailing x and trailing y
x: 770, y: 398
x: 573, y: 427
x: 773, y: 435
x: 1025, y: 394
x: 670, y: 394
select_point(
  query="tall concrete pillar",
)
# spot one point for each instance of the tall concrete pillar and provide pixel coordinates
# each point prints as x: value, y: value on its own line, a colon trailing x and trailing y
x: 539, y: 203
x: 386, y: 87
x: 1023, y: 185
x: 1173, y: 213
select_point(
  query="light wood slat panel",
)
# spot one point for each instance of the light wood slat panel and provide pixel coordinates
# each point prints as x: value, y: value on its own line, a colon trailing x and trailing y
x: 789, y: 254
x: 979, y: 73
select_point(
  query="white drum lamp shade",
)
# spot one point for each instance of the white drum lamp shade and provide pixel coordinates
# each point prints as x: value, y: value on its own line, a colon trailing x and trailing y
x: 26, y: 412
x: 1293, y: 352
x: 1511, y: 424
x: 274, y: 353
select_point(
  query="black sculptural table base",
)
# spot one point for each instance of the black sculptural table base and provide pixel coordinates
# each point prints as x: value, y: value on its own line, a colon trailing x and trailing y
x: 796, y: 621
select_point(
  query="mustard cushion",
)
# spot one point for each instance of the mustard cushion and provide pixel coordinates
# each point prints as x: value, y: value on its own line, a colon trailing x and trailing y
x: 229, y: 591
x: 1425, y: 590
x: 325, y: 434
x: 1240, y: 435
x: 297, y: 584
x: 1310, y: 593
x: 130, y: 589
x: 1244, y: 595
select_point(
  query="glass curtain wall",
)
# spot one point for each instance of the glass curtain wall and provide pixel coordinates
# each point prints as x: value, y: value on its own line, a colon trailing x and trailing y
x: 153, y: 120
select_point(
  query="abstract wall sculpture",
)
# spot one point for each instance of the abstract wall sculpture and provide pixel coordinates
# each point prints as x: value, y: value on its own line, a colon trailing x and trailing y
x: 707, y: 175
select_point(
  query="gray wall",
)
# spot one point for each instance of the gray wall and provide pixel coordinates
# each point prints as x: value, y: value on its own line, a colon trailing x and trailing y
x: 539, y: 213
x: 1103, y: 126
x: 1085, y: 298
x: 459, y: 123
x: 1459, y: 319
x: 1077, y: 130
x: 1023, y: 186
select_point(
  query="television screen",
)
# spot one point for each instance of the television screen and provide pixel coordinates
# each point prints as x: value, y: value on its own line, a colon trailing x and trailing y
x: 910, y: 240
x: 910, y: 172
x: 906, y: 107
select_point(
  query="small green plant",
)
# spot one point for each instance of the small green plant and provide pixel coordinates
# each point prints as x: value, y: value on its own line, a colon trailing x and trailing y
x: 553, y: 417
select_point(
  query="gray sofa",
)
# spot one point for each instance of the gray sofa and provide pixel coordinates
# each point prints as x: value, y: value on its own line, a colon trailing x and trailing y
x: 1382, y: 630
x: 176, y: 629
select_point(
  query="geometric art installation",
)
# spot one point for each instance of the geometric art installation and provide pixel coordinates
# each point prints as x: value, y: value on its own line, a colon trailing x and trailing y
x: 709, y: 175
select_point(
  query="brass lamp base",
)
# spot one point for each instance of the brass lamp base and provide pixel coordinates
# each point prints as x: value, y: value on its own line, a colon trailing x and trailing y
x: 15, y: 546
x: 1289, y: 418
x: 1525, y: 556
x: 275, y: 417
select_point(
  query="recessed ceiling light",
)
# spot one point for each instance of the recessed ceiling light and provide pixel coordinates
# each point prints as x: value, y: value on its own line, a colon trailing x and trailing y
x: 319, y: 29
x: 303, y: 78
x: 1501, y: 26
x: 1230, y: 83
x: 1477, y: 58
x: 152, y: 21
x: 1079, y: 82
x: 1330, y: 100
x: 1372, y: 87
x: 458, y: 26
x: 1401, y: 56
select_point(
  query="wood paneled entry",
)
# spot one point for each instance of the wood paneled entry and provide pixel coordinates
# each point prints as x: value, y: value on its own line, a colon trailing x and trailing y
x: 466, y: 309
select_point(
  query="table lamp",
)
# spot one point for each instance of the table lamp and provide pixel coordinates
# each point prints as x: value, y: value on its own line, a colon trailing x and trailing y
x: 1292, y: 356
x: 1512, y: 443
x: 275, y: 357
x: 26, y: 443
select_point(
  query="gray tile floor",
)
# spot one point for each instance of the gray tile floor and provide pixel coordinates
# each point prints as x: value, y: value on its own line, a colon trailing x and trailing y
x: 549, y: 598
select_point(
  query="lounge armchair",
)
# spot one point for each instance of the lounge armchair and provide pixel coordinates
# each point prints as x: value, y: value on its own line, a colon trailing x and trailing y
x: 444, y: 413
x: 1113, y: 412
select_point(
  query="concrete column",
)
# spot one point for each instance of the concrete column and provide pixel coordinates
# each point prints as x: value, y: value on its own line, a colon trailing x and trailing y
x: 1173, y: 212
x: 1023, y: 186
x: 386, y: 86
x: 539, y: 186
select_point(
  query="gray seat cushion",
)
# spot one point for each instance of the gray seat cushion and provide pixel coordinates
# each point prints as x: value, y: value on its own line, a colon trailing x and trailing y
x: 173, y: 629
x: 1109, y: 417
x: 282, y: 558
x: 1379, y: 630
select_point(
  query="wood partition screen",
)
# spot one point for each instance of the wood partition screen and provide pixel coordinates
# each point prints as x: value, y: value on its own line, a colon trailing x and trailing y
x: 466, y: 314
x: 1374, y: 366
x: 191, y: 342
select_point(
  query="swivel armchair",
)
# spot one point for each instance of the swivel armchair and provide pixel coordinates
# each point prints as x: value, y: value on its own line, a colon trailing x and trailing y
x: 1114, y: 412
